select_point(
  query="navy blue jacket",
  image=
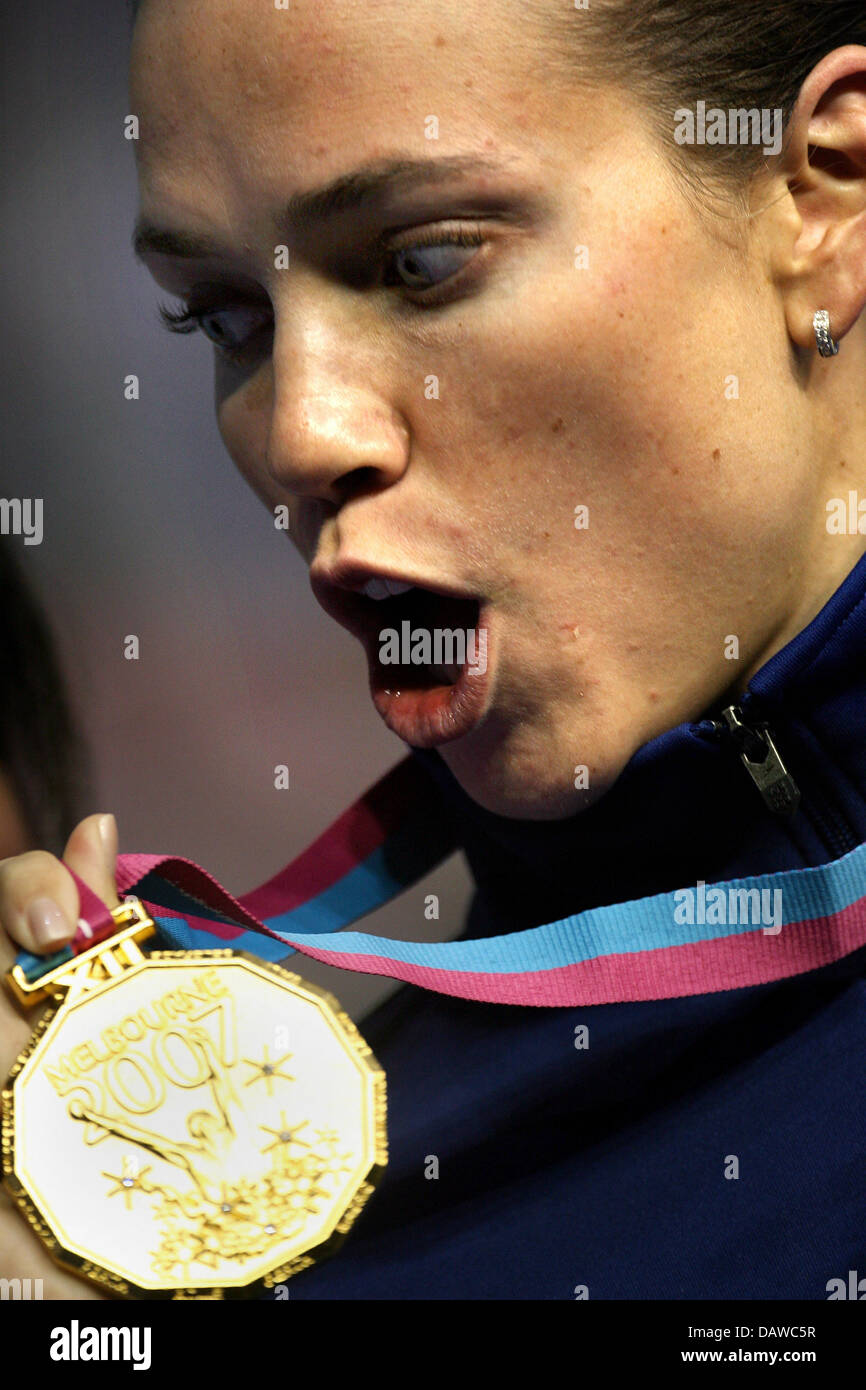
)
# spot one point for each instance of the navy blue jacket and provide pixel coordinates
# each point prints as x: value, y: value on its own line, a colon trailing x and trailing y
x: 604, y: 1168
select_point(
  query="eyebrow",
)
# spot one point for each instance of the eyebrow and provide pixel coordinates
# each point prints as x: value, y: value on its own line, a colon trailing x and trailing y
x: 350, y: 192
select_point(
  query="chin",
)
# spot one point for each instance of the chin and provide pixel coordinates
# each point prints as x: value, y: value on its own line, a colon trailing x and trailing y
x: 521, y: 778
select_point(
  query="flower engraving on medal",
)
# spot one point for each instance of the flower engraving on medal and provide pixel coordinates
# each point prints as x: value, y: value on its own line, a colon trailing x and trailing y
x: 216, y: 1221
x: 250, y: 1218
x: 244, y: 1219
x: 220, y: 1168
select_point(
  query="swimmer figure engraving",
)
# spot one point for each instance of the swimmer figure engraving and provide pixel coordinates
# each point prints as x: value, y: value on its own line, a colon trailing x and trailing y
x: 277, y: 1165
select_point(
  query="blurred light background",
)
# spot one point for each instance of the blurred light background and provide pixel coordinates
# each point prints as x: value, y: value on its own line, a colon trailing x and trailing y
x: 147, y: 527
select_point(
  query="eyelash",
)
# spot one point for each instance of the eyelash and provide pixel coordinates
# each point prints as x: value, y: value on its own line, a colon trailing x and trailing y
x: 188, y: 320
x: 435, y: 236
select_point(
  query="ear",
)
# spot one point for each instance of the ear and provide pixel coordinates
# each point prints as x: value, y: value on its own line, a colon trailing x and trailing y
x: 819, y: 253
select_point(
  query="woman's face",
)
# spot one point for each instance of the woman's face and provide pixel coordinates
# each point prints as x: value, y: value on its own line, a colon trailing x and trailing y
x: 440, y: 414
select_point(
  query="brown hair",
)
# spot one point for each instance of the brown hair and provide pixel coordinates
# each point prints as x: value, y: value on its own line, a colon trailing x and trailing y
x: 731, y: 54
x: 41, y: 750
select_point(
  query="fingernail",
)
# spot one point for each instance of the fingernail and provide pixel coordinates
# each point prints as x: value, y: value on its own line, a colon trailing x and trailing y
x: 47, y: 922
x: 108, y: 833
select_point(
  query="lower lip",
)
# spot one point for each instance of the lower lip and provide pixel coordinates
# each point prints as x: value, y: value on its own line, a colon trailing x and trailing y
x: 440, y: 714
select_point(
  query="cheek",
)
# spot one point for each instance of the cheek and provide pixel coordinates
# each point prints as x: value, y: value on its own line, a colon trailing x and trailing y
x: 243, y: 414
x: 607, y: 388
x: 243, y: 419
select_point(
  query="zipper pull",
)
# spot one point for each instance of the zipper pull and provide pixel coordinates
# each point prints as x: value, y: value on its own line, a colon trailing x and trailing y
x: 761, y: 759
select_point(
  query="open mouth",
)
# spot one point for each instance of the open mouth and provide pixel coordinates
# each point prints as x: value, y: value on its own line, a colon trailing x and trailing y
x: 424, y: 639
x: 427, y: 650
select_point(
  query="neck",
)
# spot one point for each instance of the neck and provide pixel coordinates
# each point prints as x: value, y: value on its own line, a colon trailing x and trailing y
x: 686, y: 808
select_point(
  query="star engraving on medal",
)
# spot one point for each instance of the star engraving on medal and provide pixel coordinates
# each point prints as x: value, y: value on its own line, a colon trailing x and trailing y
x: 128, y: 1183
x: 285, y: 1135
x: 267, y: 1070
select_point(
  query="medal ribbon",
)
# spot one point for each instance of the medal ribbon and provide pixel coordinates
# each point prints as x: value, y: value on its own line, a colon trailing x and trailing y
x: 650, y: 948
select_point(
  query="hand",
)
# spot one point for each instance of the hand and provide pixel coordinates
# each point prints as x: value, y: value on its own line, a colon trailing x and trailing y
x: 39, y: 911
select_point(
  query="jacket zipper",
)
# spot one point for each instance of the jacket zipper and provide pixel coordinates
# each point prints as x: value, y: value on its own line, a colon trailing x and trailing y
x: 756, y: 746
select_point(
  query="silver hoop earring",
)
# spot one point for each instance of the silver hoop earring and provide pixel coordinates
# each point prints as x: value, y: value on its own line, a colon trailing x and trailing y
x: 827, y: 346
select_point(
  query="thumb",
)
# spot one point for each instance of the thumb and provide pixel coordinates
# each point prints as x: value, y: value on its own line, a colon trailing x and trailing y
x: 91, y: 851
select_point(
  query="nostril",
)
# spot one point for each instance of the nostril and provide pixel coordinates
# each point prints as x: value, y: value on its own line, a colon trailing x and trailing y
x: 358, y: 481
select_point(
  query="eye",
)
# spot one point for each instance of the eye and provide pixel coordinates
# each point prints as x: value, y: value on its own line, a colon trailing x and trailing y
x: 231, y: 327
x: 429, y: 261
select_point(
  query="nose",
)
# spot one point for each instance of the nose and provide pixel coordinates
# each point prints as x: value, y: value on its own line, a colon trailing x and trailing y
x: 334, y: 430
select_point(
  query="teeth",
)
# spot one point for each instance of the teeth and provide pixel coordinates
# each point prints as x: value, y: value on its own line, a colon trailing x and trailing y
x: 385, y: 588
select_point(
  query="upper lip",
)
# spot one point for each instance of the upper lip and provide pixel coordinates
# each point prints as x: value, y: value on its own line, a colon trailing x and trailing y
x: 338, y: 589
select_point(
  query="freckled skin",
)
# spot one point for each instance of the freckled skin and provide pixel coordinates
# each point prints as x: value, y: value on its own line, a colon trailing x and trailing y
x: 602, y: 386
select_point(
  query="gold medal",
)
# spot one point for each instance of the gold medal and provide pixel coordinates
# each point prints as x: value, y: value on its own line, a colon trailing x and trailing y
x: 189, y: 1123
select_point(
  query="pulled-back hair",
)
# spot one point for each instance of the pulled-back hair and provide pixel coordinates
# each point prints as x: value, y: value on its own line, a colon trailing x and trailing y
x: 731, y: 54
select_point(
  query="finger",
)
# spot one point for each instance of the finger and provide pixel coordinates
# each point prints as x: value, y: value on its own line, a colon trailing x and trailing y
x: 38, y: 902
x: 91, y: 851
